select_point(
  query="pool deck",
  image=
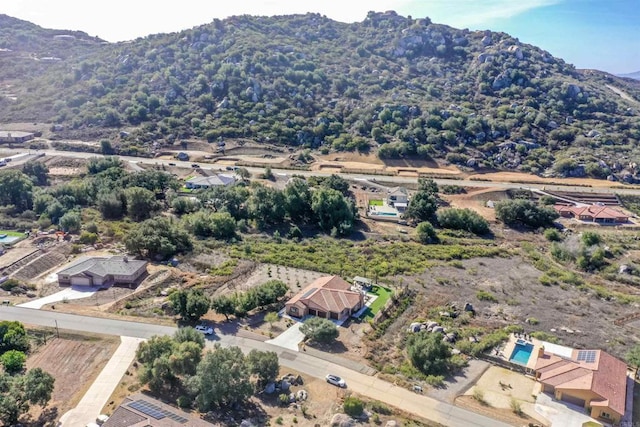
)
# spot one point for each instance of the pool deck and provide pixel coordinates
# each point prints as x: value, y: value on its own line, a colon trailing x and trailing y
x: 508, y: 348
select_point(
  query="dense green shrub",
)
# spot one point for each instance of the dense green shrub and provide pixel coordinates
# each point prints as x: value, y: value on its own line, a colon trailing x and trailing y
x: 428, y: 353
x: 353, y: 406
x: 13, y: 361
x: 319, y: 330
x: 524, y: 212
x: 463, y: 219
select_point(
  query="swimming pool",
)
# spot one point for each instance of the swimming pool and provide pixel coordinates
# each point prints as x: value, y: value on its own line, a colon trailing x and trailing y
x: 386, y: 214
x: 8, y: 239
x: 521, y: 353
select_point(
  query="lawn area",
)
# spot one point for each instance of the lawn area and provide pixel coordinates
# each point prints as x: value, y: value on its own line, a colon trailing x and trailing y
x: 12, y: 233
x: 375, y: 202
x: 383, y: 295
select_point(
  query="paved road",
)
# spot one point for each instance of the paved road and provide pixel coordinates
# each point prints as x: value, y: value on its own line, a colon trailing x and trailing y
x: 365, y: 385
x: 361, y: 177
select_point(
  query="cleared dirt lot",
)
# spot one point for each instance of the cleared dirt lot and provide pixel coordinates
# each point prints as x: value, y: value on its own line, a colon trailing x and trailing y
x: 74, y: 361
x: 498, y: 387
x: 476, y: 199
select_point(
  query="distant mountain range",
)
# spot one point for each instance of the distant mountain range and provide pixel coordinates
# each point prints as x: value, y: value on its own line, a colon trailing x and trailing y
x: 635, y: 75
x: 400, y: 86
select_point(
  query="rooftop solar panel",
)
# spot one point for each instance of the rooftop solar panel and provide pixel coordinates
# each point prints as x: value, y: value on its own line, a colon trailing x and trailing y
x: 156, y: 411
x: 588, y: 356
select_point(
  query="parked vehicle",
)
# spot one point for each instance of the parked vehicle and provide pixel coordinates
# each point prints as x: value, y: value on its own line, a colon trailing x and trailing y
x: 207, y: 330
x: 195, y: 165
x: 336, y: 380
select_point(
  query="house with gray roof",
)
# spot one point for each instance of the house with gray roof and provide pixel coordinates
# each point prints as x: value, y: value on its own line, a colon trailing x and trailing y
x: 102, y: 271
x: 219, y: 180
x: 15, y: 136
x: 141, y: 410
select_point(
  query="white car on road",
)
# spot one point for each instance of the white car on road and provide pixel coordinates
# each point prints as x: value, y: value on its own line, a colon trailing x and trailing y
x: 207, y: 330
x: 336, y: 380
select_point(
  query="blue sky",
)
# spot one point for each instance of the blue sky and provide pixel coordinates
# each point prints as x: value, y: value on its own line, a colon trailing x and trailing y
x: 600, y: 34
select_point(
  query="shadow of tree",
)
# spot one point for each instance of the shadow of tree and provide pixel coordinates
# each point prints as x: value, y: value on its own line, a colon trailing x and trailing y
x: 47, y: 418
x: 335, y: 347
x: 234, y: 416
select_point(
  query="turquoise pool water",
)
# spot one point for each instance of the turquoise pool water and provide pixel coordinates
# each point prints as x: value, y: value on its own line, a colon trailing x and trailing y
x: 8, y: 239
x: 521, y: 353
x: 386, y: 214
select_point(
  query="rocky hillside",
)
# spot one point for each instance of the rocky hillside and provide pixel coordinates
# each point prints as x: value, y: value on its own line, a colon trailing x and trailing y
x: 401, y: 86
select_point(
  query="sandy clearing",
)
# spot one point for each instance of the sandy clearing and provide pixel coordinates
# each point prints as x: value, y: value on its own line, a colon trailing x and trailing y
x: 64, y: 171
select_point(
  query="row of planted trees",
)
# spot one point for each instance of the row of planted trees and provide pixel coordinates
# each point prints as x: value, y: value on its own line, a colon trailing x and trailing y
x: 192, y: 304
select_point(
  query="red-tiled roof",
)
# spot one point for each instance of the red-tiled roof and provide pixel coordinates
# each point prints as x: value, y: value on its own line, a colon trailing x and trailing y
x: 594, y: 211
x: 603, y: 375
x: 329, y: 293
x: 610, y: 381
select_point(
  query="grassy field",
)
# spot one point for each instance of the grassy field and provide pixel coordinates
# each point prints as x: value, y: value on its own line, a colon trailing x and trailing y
x: 367, y: 258
x: 12, y: 233
x: 383, y: 295
x: 375, y: 202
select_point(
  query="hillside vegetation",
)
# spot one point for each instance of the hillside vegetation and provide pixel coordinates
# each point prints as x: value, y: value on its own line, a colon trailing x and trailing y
x: 402, y: 86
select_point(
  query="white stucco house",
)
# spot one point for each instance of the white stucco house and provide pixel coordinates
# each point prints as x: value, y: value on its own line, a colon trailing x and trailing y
x: 398, y: 197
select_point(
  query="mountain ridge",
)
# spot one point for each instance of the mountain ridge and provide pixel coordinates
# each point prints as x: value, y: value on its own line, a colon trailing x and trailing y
x: 401, y: 86
x: 635, y: 75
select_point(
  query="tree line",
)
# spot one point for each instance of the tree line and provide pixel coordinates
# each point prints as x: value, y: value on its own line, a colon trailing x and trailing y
x: 19, y: 388
x: 178, y: 367
x: 192, y: 304
x: 219, y: 213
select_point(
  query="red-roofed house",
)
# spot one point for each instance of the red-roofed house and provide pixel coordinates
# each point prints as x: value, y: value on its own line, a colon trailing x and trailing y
x: 592, y: 213
x: 330, y: 297
x: 592, y: 379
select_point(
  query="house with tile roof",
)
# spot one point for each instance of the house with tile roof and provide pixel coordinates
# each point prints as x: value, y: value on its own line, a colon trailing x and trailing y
x: 102, y: 271
x: 330, y: 297
x: 141, y: 410
x: 592, y: 213
x: 592, y: 379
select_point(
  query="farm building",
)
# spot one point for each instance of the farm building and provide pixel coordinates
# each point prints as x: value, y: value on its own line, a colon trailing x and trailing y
x: 592, y: 213
x: 15, y: 136
x: 104, y: 272
x: 330, y: 297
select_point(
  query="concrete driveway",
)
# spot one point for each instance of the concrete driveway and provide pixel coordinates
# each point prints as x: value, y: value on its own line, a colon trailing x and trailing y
x: 290, y: 338
x: 98, y: 394
x: 65, y: 294
x: 561, y: 414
